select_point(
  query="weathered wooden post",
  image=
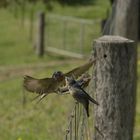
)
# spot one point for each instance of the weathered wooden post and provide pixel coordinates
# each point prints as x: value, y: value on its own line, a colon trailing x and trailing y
x: 115, y: 88
x: 122, y: 20
x: 40, y: 34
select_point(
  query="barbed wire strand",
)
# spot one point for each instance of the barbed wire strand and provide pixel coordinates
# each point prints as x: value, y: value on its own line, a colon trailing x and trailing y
x: 88, y: 119
x: 75, y: 122
x: 70, y: 126
x: 78, y: 119
x: 85, y: 129
x: 82, y: 126
x: 93, y: 89
x: 71, y: 130
x: 78, y: 123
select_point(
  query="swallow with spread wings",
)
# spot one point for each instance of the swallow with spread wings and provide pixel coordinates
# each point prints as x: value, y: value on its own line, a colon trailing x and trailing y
x: 45, y: 86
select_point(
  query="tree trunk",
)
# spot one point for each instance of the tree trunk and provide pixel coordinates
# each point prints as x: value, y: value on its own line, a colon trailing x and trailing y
x: 124, y: 19
x: 115, y: 85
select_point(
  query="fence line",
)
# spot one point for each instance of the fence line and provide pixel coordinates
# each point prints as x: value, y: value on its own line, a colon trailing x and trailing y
x: 74, y: 19
x: 80, y: 127
x: 69, y: 35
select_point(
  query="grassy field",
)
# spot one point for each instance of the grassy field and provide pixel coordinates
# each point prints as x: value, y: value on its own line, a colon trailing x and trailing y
x: 48, y: 119
x: 77, y: 34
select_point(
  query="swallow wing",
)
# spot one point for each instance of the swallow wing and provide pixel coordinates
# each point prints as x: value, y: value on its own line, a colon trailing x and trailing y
x: 77, y: 72
x: 38, y: 85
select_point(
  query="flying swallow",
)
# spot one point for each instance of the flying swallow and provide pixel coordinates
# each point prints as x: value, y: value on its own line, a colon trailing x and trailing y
x: 48, y: 85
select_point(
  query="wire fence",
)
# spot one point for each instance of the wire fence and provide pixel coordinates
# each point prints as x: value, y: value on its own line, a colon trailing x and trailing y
x: 81, y: 127
x: 69, y: 35
x: 65, y: 35
x: 77, y: 128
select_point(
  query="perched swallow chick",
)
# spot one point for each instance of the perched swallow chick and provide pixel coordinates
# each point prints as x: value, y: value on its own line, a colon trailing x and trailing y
x: 79, y: 94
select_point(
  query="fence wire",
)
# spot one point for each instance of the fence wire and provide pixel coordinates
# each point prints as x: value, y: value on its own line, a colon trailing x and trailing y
x: 80, y: 127
x: 70, y: 36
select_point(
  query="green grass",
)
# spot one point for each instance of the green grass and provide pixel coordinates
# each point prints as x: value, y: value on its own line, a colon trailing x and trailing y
x: 32, y: 121
x: 97, y: 10
x: 78, y: 36
x: 42, y: 121
x: 75, y: 31
x: 48, y: 119
x: 54, y: 29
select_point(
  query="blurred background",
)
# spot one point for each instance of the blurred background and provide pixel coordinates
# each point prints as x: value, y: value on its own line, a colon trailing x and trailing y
x: 38, y: 37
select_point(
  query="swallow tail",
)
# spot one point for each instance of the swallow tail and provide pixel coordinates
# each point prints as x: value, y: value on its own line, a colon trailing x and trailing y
x: 90, y: 98
x: 93, y: 101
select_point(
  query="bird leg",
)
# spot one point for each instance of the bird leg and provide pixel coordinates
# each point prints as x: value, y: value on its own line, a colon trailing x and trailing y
x: 41, y: 97
x: 36, y: 97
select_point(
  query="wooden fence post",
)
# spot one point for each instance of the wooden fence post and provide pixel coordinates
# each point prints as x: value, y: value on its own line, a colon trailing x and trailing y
x: 120, y: 21
x: 115, y: 88
x: 40, y: 34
